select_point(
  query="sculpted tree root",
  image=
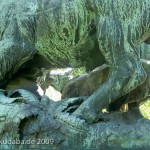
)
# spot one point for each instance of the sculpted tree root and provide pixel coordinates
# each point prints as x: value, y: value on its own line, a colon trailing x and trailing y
x: 38, y: 124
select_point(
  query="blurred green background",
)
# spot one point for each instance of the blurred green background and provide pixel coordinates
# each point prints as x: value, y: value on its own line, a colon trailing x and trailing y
x: 145, y: 109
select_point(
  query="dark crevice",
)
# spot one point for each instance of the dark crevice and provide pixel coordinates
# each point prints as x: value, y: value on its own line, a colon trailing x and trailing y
x: 92, y: 30
x: 101, y: 120
x: 24, y: 124
x: 65, y: 31
x: 5, y: 93
x: 147, y: 41
x: 73, y: 106
x: 15, y: 94
x: 77, y: 35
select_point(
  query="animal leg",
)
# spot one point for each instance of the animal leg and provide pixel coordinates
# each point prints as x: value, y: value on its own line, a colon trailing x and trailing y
x: 125, y: 72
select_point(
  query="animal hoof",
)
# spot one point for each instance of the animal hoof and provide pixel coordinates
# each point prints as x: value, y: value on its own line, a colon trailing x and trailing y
x: 89, y: 117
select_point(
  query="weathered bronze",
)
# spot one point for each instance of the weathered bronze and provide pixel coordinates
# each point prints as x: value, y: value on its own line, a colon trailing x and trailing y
x: 74, y: 33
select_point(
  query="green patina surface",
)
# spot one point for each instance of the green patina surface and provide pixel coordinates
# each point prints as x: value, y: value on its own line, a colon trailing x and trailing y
x: 58, y: 30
